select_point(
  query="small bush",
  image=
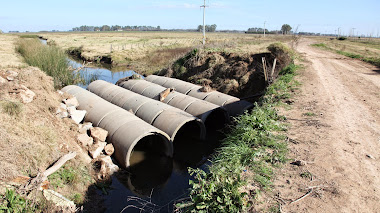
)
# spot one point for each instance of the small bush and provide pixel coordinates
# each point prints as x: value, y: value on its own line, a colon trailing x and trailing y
x: 283, y: 54
x: 342, y: 38
x: 50, y: 59
x: 12, y: 108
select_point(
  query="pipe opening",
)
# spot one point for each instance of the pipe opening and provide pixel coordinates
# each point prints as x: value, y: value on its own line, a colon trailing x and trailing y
x: 190, y: 132
x: 151, y: 145
x: 216, y: 120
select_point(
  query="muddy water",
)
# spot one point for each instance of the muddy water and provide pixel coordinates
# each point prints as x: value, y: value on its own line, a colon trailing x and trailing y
x: 155, y: 182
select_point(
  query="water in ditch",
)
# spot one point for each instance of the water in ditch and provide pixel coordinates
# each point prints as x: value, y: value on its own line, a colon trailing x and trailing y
x: 153, y: 183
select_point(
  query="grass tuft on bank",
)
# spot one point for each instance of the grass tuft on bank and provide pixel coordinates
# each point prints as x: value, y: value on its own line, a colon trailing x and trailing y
x: 251, y: 150
x: 50, y: 59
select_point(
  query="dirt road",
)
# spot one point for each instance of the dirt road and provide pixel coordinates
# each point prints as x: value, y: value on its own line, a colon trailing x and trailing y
x: 335, y: 130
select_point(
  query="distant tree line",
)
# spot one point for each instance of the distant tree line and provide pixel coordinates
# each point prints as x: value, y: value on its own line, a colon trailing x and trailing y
x: 257, y: 30
x: 285, y: 29
x: 116, y: 28
x: 208, y: 28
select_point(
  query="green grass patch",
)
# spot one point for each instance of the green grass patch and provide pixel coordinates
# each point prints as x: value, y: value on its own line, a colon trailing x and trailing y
x: 320, y: 45
x: 65, y: 175
x: 371, y: 60
x: 29, y: 36
x: 254, y: 146
x: 309, y: 114
x: 13, y: 202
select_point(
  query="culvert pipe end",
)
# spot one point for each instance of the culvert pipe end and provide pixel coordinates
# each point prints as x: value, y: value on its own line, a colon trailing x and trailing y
x: 128, y: 132
x: 177, y: 127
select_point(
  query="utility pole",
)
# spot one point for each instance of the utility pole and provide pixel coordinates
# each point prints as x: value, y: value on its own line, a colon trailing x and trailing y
x: 204, y: 22
x: 338, y: 32
x: 264, y: 28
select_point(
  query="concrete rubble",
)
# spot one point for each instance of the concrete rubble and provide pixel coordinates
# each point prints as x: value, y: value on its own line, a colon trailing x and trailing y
x: 98, y: 134
x: 92, y: 139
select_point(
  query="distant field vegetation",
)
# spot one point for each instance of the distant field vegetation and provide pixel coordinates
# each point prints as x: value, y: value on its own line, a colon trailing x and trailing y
x: 148, y: 52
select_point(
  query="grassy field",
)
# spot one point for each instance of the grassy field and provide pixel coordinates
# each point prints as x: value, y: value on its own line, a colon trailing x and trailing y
x: 148, y: 52
x: 366, y: 49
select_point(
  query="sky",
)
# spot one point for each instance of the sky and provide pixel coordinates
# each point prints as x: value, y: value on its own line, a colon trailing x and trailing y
x: 323, y: 16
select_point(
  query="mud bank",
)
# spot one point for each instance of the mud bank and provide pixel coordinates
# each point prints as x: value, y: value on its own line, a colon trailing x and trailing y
x: 230, y: 73
x: 76, y: 52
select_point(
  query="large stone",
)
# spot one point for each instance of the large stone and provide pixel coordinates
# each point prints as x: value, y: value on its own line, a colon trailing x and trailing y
x: 97, y: 149
x: 62, y: 114
x: 98, y: 134
x: 78, y: 115
x: 11, y: 73
x: 107, y: 167
x: 26, y: 94
x: 83, y: 128
x: 71, y: 110
x: 85, y: 140
x: 109, y: 149
x: 2, y: 81
x: 71, y: 102
x: 59, y: 200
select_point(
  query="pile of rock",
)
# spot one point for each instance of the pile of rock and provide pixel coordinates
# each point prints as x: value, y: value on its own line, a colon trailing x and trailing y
x: 92, y: 139
x: 17, y: 90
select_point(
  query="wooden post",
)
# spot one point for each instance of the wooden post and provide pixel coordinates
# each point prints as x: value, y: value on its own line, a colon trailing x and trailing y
x: 111, y: 48
x: 273, y: 68
x: 265, y: 69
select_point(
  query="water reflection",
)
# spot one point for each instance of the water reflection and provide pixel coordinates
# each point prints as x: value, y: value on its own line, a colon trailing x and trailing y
x: 101, y: 73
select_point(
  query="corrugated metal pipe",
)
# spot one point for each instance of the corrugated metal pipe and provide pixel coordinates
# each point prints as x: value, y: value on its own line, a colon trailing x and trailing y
x: 214, y: 116
x: 126, y: 132
x: 233, y: 105
x: 176, y: 123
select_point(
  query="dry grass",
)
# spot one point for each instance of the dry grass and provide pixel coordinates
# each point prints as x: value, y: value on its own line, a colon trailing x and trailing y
x: 33, y: 140
x: 140, y: 48
x: 364, y: 46
x: 8, y: 55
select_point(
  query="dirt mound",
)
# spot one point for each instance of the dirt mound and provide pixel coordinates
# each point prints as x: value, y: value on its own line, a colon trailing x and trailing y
x: 231, y: 73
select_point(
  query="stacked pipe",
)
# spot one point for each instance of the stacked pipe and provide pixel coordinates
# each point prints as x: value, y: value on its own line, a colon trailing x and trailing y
x: 172, y: 121
x: 233, y: 105
x: 125, y: 131
x: 212, y: 115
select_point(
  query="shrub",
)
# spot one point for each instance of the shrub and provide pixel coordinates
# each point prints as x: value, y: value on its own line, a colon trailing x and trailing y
x: 342, y: 38
x: 283, y: 54
x: 50, y: 59
x: 12, y: 108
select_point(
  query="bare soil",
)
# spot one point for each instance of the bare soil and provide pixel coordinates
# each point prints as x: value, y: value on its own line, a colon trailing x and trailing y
x: 335, y: 132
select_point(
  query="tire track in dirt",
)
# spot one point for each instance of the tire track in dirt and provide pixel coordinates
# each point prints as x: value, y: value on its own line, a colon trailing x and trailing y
x: 344, y: 95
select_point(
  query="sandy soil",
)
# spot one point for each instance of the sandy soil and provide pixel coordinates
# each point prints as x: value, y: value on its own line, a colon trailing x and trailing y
x: 335, y: 130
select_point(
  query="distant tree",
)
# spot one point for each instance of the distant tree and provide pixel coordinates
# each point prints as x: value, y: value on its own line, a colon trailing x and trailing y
x: 213, y: 28
x: 105, y: 28
x: 200, y: 28
x: 1, y: 31
x: 158, y: 28
x: 286, y: 28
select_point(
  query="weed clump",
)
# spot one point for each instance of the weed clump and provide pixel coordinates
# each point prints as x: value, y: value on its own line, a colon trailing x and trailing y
x: 49, y: 59
x: 283, y: 54
x: 250, y: 151
x: 12, y: 108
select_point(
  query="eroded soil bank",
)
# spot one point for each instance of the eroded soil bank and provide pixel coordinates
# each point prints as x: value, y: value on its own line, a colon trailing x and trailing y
x: 235, y: 74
